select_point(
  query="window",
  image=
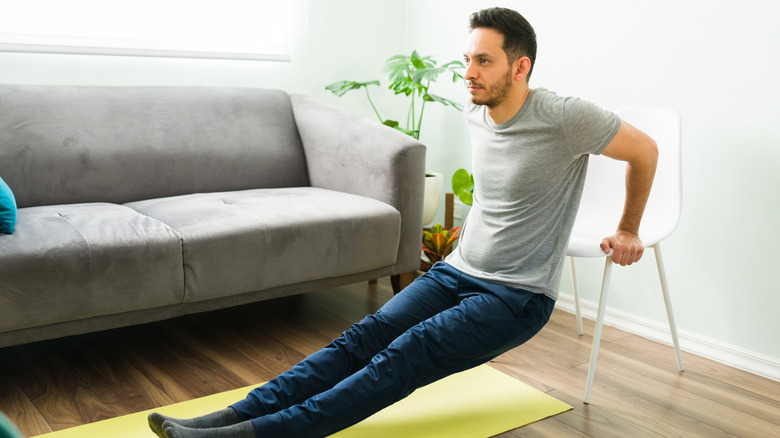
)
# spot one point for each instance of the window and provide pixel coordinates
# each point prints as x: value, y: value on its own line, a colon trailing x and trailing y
x: 229, y: 29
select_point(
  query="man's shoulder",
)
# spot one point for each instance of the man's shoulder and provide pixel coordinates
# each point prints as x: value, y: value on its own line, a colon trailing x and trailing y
x: 565, y: 107
x: 543, y: 96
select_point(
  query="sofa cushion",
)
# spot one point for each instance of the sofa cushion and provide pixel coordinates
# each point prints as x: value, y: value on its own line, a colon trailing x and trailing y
x: 76, y: 144
x: 243, y: 241
x: 7, y: 209
x: 71, y: 262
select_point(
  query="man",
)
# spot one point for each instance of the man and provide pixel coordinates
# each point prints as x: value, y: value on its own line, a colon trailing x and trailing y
x: 498, y: 288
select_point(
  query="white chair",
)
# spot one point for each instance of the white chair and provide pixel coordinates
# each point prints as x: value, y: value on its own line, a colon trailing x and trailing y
x: 602, y: 206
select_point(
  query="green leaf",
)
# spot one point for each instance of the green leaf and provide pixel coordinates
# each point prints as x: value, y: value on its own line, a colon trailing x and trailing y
x: 453, y: 65
x: 397, y: 67
x: 390, y: 123
x: 405, y: 86
x: 427, y: 74
x: 421, y: 62
x: 340, y: 88
x: 443, y: 101
x: 431, y: 73
x: 463, y: 186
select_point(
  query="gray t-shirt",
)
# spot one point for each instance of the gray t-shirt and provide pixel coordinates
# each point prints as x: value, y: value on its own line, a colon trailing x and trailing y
x: 529, y: 173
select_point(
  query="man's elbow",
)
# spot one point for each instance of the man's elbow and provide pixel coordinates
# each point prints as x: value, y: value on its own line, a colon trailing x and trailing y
x: 650, y: 152
x: 654, y: 151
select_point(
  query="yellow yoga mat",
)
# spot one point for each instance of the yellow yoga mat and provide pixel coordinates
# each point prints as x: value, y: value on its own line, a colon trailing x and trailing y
x: 480, y: 402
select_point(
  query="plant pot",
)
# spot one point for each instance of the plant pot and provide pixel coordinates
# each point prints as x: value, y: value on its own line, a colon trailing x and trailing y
x: 434, y: 182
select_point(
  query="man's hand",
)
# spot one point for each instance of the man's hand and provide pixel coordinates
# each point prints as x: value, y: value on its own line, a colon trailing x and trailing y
x: 626, y: 246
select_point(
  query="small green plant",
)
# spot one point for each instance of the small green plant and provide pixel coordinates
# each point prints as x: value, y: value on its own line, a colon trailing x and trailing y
x: 437, y: 244
x: 463, y: 186
x: 411, y: 76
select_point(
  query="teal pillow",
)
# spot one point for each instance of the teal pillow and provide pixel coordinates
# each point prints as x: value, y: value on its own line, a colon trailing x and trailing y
x: 7, y: 209
x: 7, y: 428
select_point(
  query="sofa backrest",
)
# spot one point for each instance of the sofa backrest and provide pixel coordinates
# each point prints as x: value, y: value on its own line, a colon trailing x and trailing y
x: 72, y: 144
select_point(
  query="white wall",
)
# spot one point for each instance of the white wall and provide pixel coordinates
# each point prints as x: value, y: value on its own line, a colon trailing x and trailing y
x: 715, y: 61
x: 710, y: 59
x: 339, y: 39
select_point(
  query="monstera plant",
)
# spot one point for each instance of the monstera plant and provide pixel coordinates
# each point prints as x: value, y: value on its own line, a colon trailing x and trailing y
x: 437, y: 244
x: 411, y: 76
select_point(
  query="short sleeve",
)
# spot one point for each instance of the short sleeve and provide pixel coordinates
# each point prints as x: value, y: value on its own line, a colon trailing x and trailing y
x: 588, y: 129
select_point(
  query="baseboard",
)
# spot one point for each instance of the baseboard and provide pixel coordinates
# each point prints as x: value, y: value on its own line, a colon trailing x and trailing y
x: 718, y: 351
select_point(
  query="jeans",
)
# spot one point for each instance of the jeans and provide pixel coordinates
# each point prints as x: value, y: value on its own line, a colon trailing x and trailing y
x: 443, y: 323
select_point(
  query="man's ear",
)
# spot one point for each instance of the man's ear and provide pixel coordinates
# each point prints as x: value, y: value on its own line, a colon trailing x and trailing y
x: 521, y: 68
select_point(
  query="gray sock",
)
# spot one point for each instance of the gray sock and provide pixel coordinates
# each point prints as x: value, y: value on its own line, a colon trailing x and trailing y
x: 225, y: 417
x: 239, y: 430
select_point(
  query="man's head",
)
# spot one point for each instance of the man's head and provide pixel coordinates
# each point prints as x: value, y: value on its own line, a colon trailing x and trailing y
x: 499, y: 58
x: 519, y: 36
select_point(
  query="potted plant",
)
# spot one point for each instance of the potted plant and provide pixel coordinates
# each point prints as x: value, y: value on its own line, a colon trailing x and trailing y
x: 437, y: 244
x: 411, y: 76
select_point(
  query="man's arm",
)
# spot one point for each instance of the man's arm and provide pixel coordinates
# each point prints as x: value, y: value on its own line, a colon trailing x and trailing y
x: 640, y: 153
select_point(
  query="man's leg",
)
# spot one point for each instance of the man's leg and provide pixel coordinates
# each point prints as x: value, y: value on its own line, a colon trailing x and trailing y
x: 483, y: 325
x: 322, y: 370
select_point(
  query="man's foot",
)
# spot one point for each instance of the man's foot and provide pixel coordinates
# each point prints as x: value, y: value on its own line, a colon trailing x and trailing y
x: 240, y: 430
x: 225, y: 417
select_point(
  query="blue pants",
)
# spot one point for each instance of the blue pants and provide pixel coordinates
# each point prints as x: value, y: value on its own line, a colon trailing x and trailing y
x: 443, y: 323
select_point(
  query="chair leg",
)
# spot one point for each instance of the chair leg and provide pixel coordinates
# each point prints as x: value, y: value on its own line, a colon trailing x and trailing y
x: 577, y: 311
x: 668, y: 302
x: 594, y: 350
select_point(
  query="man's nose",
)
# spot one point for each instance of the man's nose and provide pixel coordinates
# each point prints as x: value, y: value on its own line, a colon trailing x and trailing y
x: 470, y: 72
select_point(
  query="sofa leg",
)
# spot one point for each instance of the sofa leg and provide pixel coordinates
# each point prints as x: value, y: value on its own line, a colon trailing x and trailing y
x: 400, y: 281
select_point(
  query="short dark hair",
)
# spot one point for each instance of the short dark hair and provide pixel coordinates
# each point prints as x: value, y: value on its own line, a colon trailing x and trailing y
x: 519, y: 36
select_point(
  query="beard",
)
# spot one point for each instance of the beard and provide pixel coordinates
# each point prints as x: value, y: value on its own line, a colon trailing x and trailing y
x: 495, y: 93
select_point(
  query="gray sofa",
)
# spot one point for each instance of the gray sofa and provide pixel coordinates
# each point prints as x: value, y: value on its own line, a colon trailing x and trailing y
x: 138, y: 204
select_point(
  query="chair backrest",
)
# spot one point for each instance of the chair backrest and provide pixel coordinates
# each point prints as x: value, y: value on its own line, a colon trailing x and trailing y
x: 604, y: 194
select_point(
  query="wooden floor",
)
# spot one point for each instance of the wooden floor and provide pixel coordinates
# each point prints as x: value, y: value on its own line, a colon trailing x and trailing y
x: 638, y: 392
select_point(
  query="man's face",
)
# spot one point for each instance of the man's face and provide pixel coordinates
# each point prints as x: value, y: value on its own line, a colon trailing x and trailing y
x: 488, y: 74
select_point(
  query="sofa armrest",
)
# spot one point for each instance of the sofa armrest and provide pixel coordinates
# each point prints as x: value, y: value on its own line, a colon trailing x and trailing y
x: 352, y: 154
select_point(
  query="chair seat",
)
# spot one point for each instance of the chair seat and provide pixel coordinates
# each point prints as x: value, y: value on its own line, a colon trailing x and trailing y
x: 581, y: 245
